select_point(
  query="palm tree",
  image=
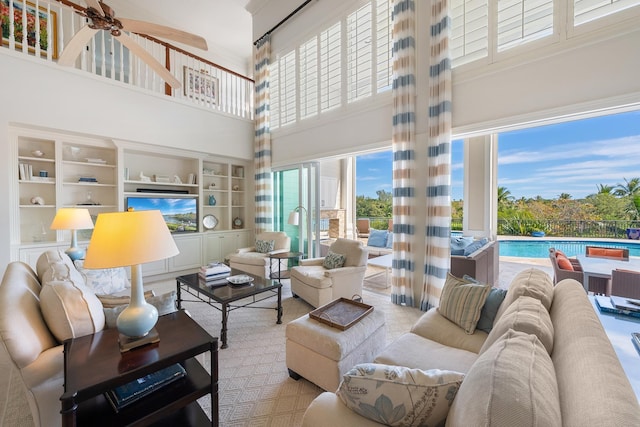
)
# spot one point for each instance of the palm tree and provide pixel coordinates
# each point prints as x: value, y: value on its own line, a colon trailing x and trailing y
x: 564, y: 196
x: 631, y: 188
x: 504, y: 196
x: 604, y: 189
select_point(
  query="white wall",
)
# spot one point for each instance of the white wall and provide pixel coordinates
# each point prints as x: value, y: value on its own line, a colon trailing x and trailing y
x: 40, y: 94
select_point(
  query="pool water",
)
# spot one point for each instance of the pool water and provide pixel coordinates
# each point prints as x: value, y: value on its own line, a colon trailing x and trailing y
x: 540, y: 248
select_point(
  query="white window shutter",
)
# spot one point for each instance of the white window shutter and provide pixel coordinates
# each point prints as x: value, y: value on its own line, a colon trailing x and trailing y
x: 330, y: 67
x: 589, y: 10
x: 522, y: 21
x: 359, y: 53
x: 469, y: 30
x: 308, y: 65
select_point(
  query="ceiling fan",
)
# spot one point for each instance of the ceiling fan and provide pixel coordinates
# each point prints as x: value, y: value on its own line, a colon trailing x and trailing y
x: 102, y: 17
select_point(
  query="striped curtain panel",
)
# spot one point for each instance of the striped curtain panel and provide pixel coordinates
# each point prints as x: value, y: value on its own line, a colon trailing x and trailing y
x: 438, y: 191
x: 262, y: 152
x: 403, y: 146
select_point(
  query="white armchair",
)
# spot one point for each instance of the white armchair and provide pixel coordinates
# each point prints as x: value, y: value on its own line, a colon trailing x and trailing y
x: 318, y: 285
x: 256, y: 260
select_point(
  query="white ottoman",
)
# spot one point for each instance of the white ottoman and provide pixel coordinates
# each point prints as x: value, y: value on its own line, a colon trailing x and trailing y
x: 322, y: 354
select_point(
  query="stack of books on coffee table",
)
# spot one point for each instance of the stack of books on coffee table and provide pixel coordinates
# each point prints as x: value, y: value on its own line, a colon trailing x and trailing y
x: 214, y: 271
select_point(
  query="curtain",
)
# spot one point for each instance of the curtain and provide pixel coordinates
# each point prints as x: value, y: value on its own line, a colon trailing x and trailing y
x: 403, y: 147
x: 438, y: 190
x: 262, y: 142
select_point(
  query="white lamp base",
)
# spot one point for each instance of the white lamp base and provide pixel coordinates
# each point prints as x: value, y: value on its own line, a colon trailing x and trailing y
x: 139, y: 317
x: 74, y: 252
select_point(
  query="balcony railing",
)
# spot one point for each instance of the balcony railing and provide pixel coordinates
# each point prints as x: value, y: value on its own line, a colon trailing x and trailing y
x: 45, y: 38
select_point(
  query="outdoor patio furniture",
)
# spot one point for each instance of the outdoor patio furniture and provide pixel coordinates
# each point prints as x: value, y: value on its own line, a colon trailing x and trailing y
x: 625, y: 283
x: 609, y: 253
x: 363, y: 226
x: 564, y: 267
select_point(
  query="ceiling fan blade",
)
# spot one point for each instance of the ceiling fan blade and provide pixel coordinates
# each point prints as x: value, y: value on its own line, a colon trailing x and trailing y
x: 174, y: 34
x: 75, y: 46
x: 96, y: 5
x: 137, y: 50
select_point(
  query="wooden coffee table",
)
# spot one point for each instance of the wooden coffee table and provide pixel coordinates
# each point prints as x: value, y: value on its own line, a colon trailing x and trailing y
x: 220, y: 291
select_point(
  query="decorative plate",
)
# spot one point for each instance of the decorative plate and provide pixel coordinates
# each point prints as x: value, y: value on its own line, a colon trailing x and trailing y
x: 239, y: 279
x: 209, y: 222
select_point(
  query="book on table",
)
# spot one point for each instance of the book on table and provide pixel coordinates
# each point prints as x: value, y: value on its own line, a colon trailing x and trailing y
x: 606, y: 305
x: 623, y: 303
x: 126, y: 394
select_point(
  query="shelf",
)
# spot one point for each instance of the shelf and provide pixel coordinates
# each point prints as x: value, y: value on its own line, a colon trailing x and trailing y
x: 28, y: 181
x: 37, y: 206
x: 89, y: 184
x: 159, y: 194
x: 36, y: 159
x: 165, y: 184
x: 79, y: 163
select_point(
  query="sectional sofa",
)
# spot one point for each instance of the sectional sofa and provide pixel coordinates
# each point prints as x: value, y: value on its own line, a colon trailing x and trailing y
x: 546, y: 362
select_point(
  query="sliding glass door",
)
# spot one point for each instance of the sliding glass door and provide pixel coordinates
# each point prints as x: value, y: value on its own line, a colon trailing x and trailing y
x: 296, y: 206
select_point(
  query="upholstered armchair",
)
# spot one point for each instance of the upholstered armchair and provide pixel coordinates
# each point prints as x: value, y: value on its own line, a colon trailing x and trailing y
x: 319, y: 281
x: 255, y: 259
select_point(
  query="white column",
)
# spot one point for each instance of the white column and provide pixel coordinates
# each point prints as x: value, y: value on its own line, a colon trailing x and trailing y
x: 481, y: 186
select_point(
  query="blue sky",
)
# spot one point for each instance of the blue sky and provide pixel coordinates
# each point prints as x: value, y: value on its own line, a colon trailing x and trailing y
x: 168, y: 206
x: 572, y: 157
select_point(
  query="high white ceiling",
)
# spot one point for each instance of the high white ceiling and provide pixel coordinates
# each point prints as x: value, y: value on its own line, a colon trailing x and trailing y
x: 225, y: 24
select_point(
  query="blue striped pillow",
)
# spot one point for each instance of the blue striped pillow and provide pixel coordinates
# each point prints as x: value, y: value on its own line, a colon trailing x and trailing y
x: 461, y: 302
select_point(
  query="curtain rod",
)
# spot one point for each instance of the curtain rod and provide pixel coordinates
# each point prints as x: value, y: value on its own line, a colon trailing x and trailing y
x: 283, y: 21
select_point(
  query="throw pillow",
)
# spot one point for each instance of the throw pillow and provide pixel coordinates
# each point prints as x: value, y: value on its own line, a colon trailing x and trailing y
x: 165, y: 304
x: 103, y: 281
x: 333, y: 260
x: 462, y: 301
x: 527, y: 315
x: 564, y: 263
x: 389, y: 244
x: 70, y: 309
x: 490, y: 308
x: 265, y: 246
x: 512, y: 384
x: 110, y: 301
x: 458, y: 243
x: 477, y: 244
x: 377, y: 238
x: 399, y: 396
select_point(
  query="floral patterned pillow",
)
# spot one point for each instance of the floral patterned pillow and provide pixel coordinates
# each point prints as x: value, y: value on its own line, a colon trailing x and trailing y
x: 333, y: 260
x: 399, y: 396
x: 103, y: 281
x: 265, y: 246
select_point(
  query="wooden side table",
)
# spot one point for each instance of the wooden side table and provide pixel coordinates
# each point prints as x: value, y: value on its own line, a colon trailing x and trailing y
x: 93, y: 365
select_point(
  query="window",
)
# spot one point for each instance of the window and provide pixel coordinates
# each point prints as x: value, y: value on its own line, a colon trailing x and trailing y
x: 521, y: 21
x: 383, y: 46
x: 359, y: 53
x: 588, y: 10
x: 330, y: 67
x: 470, y: 29
x: 308, y: 54
x: 283, y: 90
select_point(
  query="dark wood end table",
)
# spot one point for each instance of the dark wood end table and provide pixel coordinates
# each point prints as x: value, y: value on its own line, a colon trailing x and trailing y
x: 278, y: 257
x: 94, y: 365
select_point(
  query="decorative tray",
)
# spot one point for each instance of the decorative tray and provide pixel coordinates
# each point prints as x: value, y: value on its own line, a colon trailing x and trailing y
x: 342, y: 313
x: 240, y: 279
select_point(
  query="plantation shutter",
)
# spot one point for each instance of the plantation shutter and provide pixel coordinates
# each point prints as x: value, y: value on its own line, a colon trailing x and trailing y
x: 288, y: 88
x: 359, y: 53
x: 383, y: 45
x: 589, y: 10
x: 308, y: 54
x: 274, y: 93
x: 470, y: 30
x: 522, y: 21
x: 330, y: 67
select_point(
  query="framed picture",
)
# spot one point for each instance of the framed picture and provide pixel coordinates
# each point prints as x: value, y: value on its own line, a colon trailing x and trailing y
x: 200, y: 85
x: 44, y: 18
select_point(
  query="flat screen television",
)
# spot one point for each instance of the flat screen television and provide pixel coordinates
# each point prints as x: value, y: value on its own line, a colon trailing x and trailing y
x: 180, y: 213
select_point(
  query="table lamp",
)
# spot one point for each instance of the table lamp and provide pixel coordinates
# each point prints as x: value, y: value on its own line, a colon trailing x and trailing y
x: 73, y: 219
x: 123, y: 239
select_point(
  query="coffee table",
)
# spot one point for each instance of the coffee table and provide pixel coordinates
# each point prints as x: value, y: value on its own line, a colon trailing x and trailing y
x: 220, y: 291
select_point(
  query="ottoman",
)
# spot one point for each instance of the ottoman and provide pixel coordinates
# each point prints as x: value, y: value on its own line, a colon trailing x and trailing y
x: 322, y: 354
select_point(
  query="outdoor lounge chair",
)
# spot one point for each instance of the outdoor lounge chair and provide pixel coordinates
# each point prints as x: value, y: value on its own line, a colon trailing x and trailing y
x: 625, y: 283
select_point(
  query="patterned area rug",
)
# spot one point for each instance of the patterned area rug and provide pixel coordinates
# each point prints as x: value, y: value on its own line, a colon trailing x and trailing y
x: 255, y: 389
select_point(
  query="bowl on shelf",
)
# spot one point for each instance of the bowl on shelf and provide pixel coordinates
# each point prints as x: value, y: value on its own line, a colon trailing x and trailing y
x: 37, y: 153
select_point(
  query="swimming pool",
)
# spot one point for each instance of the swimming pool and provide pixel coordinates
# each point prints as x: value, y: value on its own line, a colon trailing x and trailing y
x: 540, y: 248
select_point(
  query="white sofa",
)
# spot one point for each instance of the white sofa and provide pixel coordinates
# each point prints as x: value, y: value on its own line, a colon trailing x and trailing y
x: 318, y: 285
x: 569, y: 374
x: 258, y: 263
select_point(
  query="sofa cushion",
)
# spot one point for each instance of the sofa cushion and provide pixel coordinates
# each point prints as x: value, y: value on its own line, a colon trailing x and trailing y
x: 458, y: 243
x: 525, y: 315
x: 532, y: 283
x: 264, y: 246
x: 490, y: 308
x: 513, y: 383
x: 399, y: 396
x: 377, y: 238
x: 165, y: 304
x: 333, y: 260
x: 461, y: 302
x: 477, y: 244
x: 70, y: 309
x: 434, y: 326
x: 103, y: 281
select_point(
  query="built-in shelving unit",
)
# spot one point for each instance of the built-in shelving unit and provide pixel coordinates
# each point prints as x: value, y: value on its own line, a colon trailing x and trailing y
x: 55, y: 170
